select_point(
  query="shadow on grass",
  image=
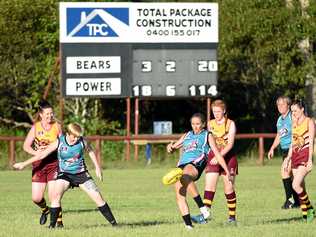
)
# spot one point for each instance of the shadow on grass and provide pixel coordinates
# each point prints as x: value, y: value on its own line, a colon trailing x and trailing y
x: 80, y: 210
x: 283, y: 220
x: 129, y: 224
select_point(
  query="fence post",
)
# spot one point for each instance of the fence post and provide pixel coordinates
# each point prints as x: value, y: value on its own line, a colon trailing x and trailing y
x: 11, y: 152
x: 261, y: 151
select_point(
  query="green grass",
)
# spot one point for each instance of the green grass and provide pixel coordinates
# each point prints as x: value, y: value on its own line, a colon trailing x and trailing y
x: 144, y: 207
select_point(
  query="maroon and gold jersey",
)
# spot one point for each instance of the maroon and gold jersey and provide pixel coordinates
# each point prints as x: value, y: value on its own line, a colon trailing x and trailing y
x: 44, y: 137
x: 220, y: 132
x: 300, y: 136
x: 300, y: 143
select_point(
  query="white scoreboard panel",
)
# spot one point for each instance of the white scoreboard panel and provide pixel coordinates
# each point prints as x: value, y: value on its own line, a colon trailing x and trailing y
x: 117, y: 50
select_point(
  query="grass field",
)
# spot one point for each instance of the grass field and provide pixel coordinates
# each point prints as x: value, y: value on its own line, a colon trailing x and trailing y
x: 144, y: 207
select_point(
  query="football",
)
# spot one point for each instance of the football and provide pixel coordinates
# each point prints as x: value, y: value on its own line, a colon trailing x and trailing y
x: 172, y: 176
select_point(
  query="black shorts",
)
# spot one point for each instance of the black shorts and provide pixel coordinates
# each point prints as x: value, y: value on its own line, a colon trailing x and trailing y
x: 284, y: 153
x: 75, y: 179
x: 200, y: 166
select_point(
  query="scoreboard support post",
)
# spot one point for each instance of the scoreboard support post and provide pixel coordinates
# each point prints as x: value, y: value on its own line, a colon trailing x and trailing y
x: 136, y: 126
x: 128, y: 129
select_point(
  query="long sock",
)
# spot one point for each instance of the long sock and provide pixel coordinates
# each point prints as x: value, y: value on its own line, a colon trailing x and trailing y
x: 287, y: 183
x: 305, y: 203
x: 43, y: 206
x: 198, y: 201
x: 60, y: 216
x: 54, y: 212
x: 187, y: 219
x: 203, y: 208
x: 208, y: 198
x: 231, y: 204
x: 107, y: 213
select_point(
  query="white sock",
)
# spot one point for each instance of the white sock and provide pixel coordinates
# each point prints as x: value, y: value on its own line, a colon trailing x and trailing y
x: 205, y: 212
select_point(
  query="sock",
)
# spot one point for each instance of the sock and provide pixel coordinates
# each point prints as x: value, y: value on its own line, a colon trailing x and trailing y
x: 208, y: 198
x: 296, y: 198
x: 231, y: 204
x: 43, y: 206
x: 198, y: 201
x: 60, y: 216
x: 187, y: 219
x: 287, y: 183
x: 305, y: 203
x: 107, y: 213
x: 54, y: 212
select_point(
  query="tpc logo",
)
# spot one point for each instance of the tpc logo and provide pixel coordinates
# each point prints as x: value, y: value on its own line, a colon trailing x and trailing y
x: 96, y: 22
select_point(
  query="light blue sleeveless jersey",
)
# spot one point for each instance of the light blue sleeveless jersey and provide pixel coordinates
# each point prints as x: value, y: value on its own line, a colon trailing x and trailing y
x: 70, y: 157
x: 284, y: 127
x: 195, y: 147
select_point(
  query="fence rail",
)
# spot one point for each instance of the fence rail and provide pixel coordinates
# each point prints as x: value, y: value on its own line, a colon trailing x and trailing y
x: 140, y: 140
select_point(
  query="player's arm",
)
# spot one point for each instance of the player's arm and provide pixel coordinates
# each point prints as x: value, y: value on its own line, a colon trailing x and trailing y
x: 39, y: 156
x: 311, y: 131
x: 175, y: 145
x: 94, y: 160
x: 274, y: 145
x: 230, y: 139
x: 28, y: 142
x: 60, y: 131
x: 217, y: 155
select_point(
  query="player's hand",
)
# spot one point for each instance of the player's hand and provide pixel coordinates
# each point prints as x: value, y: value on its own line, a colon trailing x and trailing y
x: 98, y: 173
x: 170, y: 148
x: 230, y: 178
x: 270, y: 154
x: 19, y: 166
x: 213, y: 161
x: 309, y: 165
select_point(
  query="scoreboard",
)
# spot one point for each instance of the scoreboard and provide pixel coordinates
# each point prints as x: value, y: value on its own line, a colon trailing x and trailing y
x: 115, y: 50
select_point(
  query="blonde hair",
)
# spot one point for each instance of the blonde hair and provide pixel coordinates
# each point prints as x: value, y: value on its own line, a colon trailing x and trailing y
x: 284, y: 98
x: 219, y: 103
x: 75, y: 129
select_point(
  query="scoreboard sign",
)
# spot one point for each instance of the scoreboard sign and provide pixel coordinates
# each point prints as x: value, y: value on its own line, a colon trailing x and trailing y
x: 115, y: 50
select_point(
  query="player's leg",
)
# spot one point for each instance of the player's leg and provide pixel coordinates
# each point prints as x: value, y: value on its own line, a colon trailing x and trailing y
x: 193, y: 190
x: 299, y: 174
x: 52, y: 171
x: 230, y: 198
x: 287, y: 184
x: 93, y: 192
x: 229, y: 188
x: 212, y: 172
x: 38, y: 190
x: 181, y: 188
x: 211, y: 179
x: 59, y: 188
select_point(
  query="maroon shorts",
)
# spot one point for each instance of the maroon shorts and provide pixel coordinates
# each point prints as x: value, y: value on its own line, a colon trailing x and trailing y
x: 231, y: 161
x: 299, y: 158
x: 44, y: 172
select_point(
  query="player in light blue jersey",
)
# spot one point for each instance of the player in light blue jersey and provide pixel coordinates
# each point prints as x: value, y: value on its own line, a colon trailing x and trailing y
x: 72, y: 171
x: 196, y: 145
x: 284, y: 138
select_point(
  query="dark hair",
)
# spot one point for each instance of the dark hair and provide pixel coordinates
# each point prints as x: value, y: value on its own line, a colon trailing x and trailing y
x: 198, y: 115
x: 299, y: 102
x: 43, y: 104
